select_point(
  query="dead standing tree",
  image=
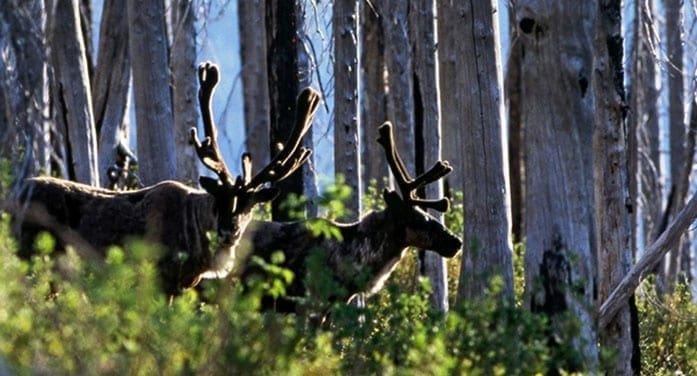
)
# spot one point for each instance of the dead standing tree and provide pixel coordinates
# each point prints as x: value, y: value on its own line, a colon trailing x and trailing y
x: 170, y: 213
x: 364, y: 255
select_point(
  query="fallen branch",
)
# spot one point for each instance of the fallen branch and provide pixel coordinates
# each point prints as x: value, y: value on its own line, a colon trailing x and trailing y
x: 653, y: 255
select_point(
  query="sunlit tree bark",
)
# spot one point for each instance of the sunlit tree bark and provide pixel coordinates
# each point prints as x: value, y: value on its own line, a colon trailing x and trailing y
x: 184, y: 88
x: 73, y: 94
x: 427, y: 110
x: 151, y: 86
x: 557, y: 108
x: 111, y: 84
x: 347, y: 156
x: 611, y: 180
x: 373, y: 101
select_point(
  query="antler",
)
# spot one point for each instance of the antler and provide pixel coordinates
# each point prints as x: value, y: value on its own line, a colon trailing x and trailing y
x: 292, y: 156
x: 208, y: 151
x: 407, y: 185
x: 285, y: 163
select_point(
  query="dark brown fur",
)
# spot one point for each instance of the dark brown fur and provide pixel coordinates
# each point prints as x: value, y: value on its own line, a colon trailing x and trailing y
x: 361, y: 261
x: 169, y: 214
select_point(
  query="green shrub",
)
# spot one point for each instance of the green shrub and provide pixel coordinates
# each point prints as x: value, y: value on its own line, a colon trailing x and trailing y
x: 668, y: 331
x: 63, y: 315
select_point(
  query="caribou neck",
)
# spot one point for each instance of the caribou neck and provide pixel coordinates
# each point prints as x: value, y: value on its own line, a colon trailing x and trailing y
x: 370, y: 250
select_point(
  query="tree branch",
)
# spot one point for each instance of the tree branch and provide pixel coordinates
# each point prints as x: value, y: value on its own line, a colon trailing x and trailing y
x: 654, y: 253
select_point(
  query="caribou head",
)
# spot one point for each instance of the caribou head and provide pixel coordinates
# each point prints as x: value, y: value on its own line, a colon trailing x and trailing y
x: 235, y: 198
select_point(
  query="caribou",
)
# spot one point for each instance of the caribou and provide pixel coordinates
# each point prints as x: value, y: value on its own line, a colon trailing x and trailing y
x: 177, y: 217
x: 362, y: 258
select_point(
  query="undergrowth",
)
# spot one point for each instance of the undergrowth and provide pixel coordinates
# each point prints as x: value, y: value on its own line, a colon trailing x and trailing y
x: 111, y: 318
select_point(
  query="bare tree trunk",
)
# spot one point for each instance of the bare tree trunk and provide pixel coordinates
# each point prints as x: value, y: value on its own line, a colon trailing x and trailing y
x: 447, y: 66
x: 111, y: 84
x: 184, y: 90
x: 254, y: 79
x: 516, y: 157
x: 306, y: 69
x: 85, y: 20
x: 347, y: 156
x: 24, y: 93
x: 487, y: 252
x: 422, y: 28
x: 557, y: 104
x: 611, y: 180
x: 644, y: 122
x: 74, y: 91
x: 676, y: 113
x: 373, y: 97
x: 681, y: 264
x: 153, y: 97
x: 400, y: 104
x: 686, y: 260
x: 283, y: 85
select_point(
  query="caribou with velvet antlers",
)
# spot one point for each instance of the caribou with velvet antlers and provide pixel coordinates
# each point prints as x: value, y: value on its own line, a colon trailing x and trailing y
x: 171, y: 214
x: 363, y: 257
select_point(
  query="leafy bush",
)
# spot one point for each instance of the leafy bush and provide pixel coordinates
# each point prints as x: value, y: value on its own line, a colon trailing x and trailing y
x: 63, y: 315
x: 668, y: 331
x: 110, y: 318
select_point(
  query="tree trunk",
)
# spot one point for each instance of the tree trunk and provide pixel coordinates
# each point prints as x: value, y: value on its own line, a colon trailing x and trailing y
x: 24, y: 93
x: 644, y: 120
x: 557, y: 105
x: 487, y: 251
x: 347, y: 156
x: 400, y: 104
x: 611, y: 184
x: 686, y: 260
x: 85, y: 20
x: 373, y: 96
x: 73, y: 94
x: 516, y: 157
x: 676, y: 113
x: 184, y: 91
x: 254, y: 80
x: 153, y: 99
x: 306, y: 69
x: 283, y: 85
x: 111, y: 84
x: 422, y: 27
x: 447, y: 66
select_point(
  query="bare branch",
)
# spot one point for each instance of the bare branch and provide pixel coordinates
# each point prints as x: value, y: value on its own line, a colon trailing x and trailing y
x: 653, y: 255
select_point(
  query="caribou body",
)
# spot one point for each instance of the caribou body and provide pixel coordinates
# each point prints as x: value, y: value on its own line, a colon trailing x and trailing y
x: 362, y: 258
x: 171, y: 214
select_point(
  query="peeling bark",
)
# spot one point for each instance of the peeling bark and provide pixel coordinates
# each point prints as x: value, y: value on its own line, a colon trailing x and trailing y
x: 151, y: 86
x: 74, y: 92
x: 347, y: 156
x: 111, y: 84
x: 184, y: 87
x: 557, y: 108
x: 422, y: 28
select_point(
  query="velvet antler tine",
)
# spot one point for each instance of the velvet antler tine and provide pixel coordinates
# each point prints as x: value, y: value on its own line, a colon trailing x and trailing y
x: 407, y: 185
x: 442, y: 205
x: 386, y: 139
x: 207, y: 150
x: 301, y: 157
x: 307, y: 105
x: 246, y: 168
x: 439, y: 170
x: 291, y: 157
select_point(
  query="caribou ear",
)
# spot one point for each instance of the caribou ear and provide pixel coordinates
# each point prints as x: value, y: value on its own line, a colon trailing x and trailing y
x: 211, y: 185
x: 266, y: 194
x: 391, y: 198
